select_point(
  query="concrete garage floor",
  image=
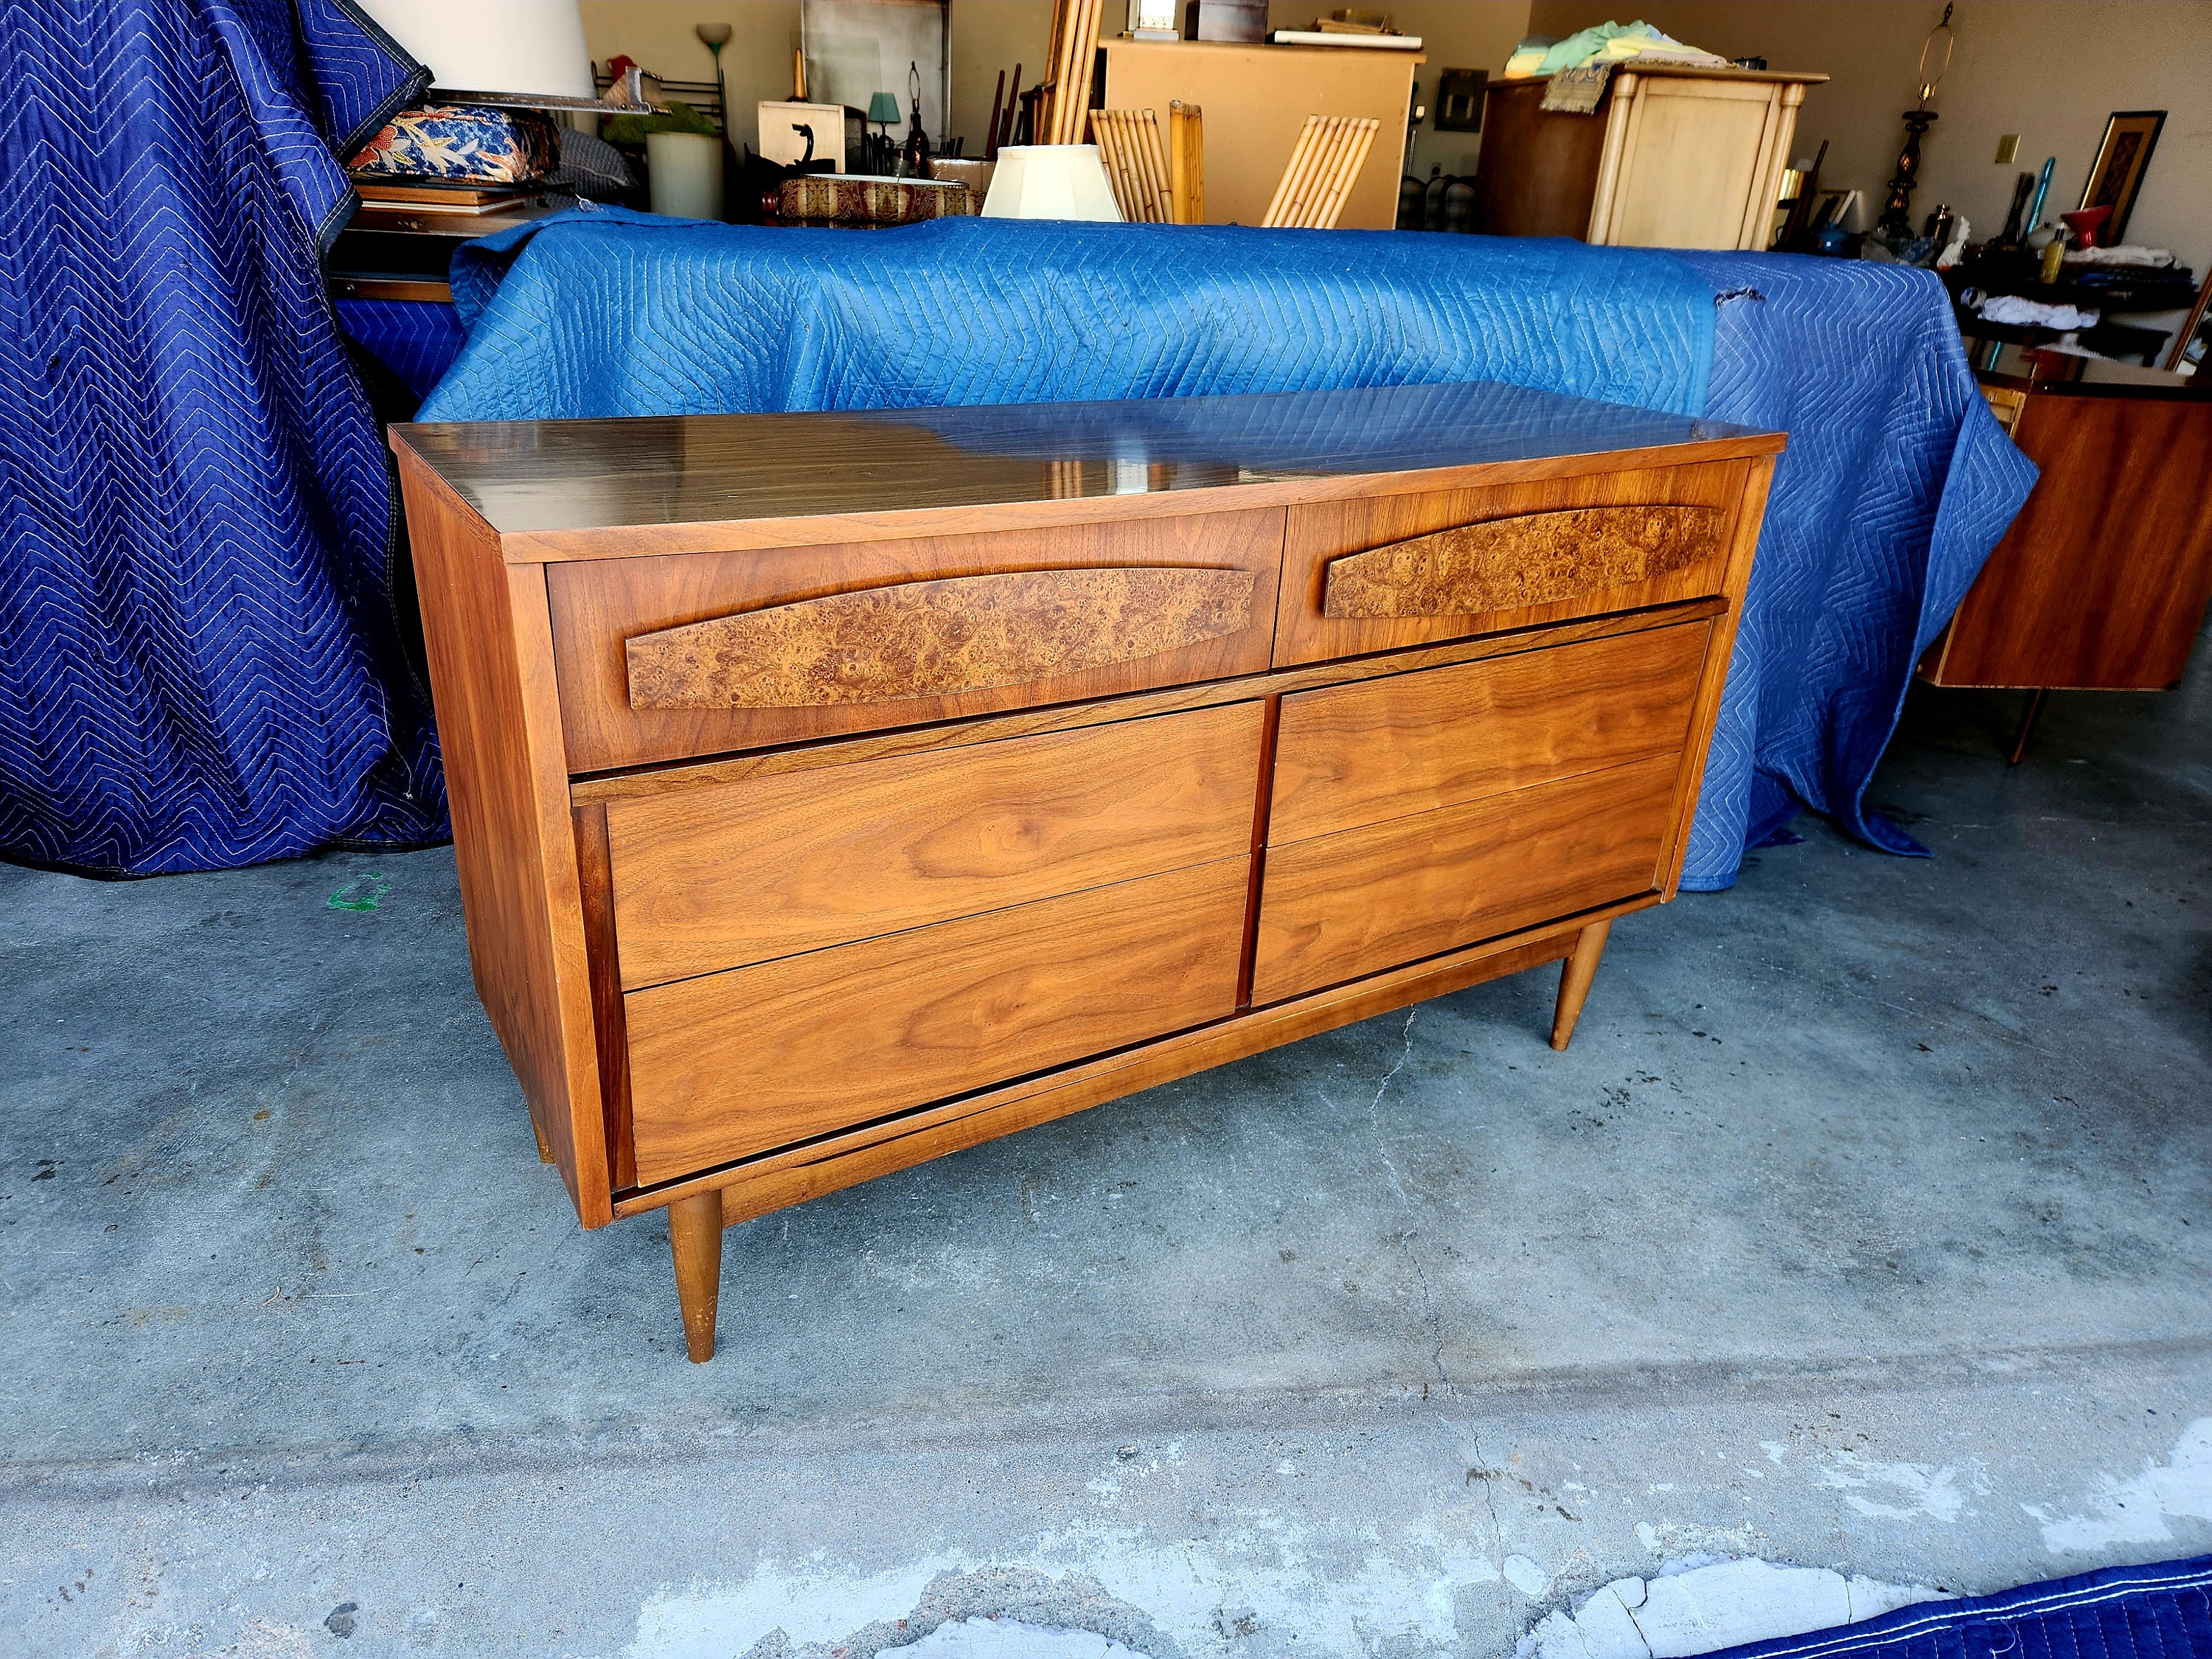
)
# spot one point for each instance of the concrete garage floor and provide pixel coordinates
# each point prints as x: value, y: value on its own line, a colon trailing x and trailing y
x: 1865, y: 1227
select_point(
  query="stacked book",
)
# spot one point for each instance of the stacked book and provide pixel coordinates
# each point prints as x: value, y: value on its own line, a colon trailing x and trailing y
x: 445, y: 200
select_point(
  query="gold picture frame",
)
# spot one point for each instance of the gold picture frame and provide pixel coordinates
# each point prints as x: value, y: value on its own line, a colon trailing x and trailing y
x: 2116, y: 176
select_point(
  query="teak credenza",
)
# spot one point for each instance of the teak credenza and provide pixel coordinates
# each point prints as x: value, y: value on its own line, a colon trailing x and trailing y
x: 831, y: 792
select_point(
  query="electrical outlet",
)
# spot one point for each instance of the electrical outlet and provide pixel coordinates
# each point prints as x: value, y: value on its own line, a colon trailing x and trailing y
x: 2008, y: 148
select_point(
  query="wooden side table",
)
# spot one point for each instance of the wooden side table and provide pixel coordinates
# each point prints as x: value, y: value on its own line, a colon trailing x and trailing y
x: 2101, y: 583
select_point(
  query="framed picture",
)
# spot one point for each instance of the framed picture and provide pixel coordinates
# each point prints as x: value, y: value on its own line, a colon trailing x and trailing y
x: 2194, y: 342
x: 2117, y: 175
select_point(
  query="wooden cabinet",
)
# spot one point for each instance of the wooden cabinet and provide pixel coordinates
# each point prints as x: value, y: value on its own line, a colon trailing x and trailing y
x: 2102, y: 581
x: 1674, y: 156
x: 1256, y: 96
x: 811, y: 826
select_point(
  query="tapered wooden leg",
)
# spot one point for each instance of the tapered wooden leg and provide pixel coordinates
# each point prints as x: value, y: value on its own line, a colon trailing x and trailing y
x: 2028, y: 717
x: 694, y: 1237
x: 545, y: 1146
x: 1575, y: 977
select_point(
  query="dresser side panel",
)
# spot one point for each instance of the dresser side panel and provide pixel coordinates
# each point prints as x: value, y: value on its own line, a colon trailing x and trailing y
x: 488, y: 641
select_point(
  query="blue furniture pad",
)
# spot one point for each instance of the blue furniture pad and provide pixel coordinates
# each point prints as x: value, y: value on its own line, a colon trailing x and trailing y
x: 1897, y: 483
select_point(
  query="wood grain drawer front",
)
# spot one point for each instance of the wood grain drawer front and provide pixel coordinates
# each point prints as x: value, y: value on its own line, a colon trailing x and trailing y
x: 1340, y: 906
x: 741, y: 872
x: 737, y: 1063
x: 1378, y: 748
x: 667, y: 657
x: 1385, y: 572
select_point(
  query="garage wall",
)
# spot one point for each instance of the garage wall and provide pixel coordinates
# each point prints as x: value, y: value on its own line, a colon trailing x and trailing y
x: 2051, y: 70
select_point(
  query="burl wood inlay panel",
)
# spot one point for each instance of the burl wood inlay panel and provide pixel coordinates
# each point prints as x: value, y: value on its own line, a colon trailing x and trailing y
x: 1537, y: 559
x: 1398, y: 570
x: 928, y: 639
x: 667, y: 657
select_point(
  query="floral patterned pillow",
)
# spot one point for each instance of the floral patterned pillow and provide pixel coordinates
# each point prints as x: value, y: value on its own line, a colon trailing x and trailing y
x: 464, y: 143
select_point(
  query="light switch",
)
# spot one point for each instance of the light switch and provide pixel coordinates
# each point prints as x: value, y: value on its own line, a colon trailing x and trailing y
x: 2008, y: 148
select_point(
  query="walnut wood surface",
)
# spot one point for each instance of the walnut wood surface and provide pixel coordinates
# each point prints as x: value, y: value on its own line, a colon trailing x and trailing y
x: 1537, y: 174
x: 760, y: 1057
x: 769, y: 1181
x: 2102, y: 581
x: 1575, y: 975
x: 769, y: 867
x: 628, y: 488
x: 600, y: 609
x: 680, y: 778
x: 1386, y: 747
x: 1341, y: 906
x: 1742, y: 544
x: 934, y: 638
x: 603, y: 953
x: 1507, y: 564
x: 490, y: 656
x: 1319, y: 537
x: 695, y: 1239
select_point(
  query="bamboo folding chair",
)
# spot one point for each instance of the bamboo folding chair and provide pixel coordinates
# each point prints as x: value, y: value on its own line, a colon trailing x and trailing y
x: 1324, y: 163
x: 1153, y: 185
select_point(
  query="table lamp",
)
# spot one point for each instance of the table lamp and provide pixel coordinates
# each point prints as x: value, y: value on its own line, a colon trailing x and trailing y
x: 882, y: 109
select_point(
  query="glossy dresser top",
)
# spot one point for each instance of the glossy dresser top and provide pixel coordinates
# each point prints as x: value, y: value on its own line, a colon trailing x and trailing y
x: 555, y: 478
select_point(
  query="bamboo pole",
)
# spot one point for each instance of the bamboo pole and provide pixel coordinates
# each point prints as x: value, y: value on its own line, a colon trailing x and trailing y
x: 1347, y: 174
x: 1319, y: 135
x: 1071, y: 98
x: 1290, y: 171
x: 1153, y: 161
x: 1040, y: 133
x: 1187, y: 162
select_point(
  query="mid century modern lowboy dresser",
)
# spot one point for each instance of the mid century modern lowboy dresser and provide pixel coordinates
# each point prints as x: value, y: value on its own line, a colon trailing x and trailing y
x: 831, y: 792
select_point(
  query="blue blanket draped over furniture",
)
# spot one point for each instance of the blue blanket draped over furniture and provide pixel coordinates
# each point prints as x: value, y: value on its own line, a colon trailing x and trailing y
x: 200, y: 658
x: 1896, y: 484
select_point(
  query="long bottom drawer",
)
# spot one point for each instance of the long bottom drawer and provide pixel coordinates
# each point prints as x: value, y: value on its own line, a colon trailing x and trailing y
x: 1340, y: 906
x: 737, y: 1062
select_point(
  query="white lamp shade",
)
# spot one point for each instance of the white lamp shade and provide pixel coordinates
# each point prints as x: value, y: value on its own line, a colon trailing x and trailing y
x: 1051, y: 181
x: 532, y: 48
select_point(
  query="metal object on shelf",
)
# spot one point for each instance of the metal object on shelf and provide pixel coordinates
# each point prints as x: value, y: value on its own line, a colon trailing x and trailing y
x: 635, y: 93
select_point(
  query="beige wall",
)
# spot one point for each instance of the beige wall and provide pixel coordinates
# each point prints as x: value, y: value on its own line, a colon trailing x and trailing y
x: 991, y: 35
x: 756, y: 63
x: 2051, y: 70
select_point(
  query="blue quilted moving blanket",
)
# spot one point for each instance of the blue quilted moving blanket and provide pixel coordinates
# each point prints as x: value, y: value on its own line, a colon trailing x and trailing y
x: 199, y: 656
x: 1896, y: 484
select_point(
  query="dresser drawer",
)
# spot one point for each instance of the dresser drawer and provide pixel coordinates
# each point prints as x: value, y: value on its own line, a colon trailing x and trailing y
x: 667, y: 657
x: 1349, y: 755
x: 735, y: 1063
x: 1384, y: 572
x: 735, y: 873
x: 1340, y: 906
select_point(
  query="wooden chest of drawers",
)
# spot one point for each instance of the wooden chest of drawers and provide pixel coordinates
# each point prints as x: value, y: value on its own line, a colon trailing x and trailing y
x: 831, y: 792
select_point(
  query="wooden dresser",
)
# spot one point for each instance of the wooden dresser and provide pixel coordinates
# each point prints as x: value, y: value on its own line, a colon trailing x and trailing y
x: 831, y: 792
x: 2102, y: 582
